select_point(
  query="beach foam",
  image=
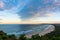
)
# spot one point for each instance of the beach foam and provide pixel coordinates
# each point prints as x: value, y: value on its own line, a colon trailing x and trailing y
x: 49, y: 29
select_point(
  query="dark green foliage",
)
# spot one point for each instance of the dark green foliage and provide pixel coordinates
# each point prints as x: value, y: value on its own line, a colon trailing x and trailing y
x: 12, y: 37
x: 22, y: 37
x: 35, y: 37
x: 3, y: 35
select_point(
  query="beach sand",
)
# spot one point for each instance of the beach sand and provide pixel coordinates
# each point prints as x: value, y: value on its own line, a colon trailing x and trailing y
x: 47, y: 30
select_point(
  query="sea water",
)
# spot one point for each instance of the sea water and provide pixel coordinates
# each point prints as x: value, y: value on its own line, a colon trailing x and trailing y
x: 18, y: 29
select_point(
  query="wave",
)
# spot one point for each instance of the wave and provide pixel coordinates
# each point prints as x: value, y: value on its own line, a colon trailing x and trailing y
x: 24, y: 29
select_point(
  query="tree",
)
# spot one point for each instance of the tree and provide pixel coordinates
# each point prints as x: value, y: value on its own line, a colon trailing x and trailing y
x: 22, y: 37
x: 35, y: 37
x: 12, y: 37
x: 3, y: 35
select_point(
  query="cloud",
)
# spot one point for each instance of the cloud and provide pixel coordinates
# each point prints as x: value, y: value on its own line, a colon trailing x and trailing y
x: 39, y: 9
x: 1, y: 4
x: 31, y: 9
x: 36, y: 8
x: 48, y: 14
x: 7, y: 16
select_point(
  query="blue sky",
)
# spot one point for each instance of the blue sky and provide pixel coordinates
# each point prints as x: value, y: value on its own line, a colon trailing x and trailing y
x: 29, y: 10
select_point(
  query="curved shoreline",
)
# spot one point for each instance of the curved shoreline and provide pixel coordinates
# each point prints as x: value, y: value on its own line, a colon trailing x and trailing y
x: 47, y: 30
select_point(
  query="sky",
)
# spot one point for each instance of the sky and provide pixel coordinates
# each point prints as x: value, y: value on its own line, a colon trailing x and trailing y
x: 29, y: 11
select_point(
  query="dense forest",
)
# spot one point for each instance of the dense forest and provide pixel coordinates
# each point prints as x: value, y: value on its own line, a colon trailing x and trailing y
x: 55, y: 35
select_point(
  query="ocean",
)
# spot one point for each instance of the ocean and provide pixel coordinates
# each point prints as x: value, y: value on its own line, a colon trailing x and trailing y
x: 18, y: 29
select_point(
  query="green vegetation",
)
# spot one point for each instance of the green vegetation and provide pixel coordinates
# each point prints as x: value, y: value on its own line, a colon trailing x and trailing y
x: 55, y: 35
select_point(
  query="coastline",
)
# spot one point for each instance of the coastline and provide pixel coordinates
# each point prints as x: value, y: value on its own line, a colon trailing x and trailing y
x: 46, y: 31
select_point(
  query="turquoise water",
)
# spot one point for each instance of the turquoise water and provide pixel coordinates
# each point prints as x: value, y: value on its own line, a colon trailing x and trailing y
x: 22, y: 28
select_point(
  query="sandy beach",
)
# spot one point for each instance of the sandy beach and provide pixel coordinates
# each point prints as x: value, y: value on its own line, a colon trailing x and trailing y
x: 47, y: 30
